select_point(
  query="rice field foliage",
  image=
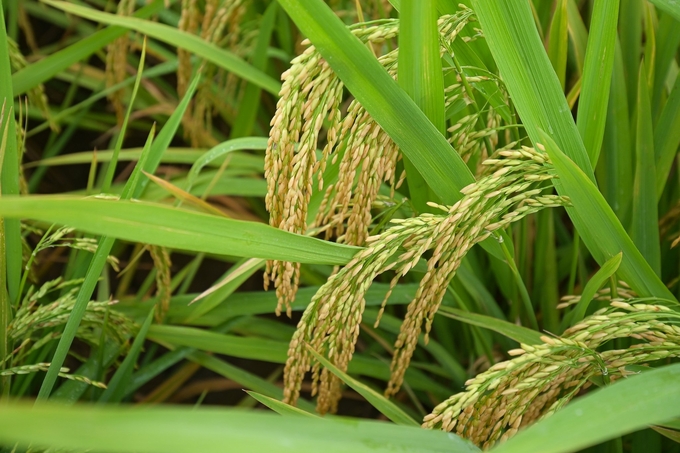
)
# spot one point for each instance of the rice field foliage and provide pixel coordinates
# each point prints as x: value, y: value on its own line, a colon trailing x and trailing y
x: 411, y: 225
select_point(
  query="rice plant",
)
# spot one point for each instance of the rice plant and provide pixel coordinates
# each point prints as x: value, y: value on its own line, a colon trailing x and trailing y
x: 408, y: 225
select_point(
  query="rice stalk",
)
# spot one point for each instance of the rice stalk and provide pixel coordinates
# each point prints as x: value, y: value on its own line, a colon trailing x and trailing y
x: 543, y: 378
x: 514, y: 187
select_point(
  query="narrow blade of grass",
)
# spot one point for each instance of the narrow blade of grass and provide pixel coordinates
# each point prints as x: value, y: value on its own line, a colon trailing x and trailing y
x: 597, y: 76
x: 593, y: 286
x: 385, y: 406
x: 513, y: 331
x: 558, y: 41
x: 249, y: 106
x: 616, y: 168
x: 220, y: 57
x: 279, y: 407
x: 120, y: 379
x: 420, y: 75
x: 672, y: 7
x: 9, y: 178
x: 627, y: 405
x: 645, y: 228
x: 631, y: 43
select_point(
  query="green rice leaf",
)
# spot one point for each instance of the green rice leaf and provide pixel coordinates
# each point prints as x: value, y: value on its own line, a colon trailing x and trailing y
x: 119, y: 381
x: 597, y: 70
x: 672, y: 7
x: 513, y: 331
x: 558, y: 42
x: 593, y: 286
x: 279, y: 407
x: 176, y: 228
x: 628, y: 405
x: 209, y: 430
x: 645, y: 225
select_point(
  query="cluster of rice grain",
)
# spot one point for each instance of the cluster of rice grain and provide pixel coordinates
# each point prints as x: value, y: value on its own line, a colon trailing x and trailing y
x: 364, y: 154
x: 217, y: 22
x: 513, y: 188
x: 544, y: 377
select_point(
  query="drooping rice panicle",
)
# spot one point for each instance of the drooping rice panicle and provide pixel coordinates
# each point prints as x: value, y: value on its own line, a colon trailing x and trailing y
x: 513, y: 188
x: 543, y: 378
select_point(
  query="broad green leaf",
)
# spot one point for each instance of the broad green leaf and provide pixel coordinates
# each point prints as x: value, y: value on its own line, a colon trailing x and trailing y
x: 176, y: 228
x: 533, y: 86
x: 518, y: 333
x: 558, y: 41
x: 119, y: 381
x: 645, y: 225
x: 385, y: 406
x: 597, y: 70
x: 186, y: 430
x: 279, y: 407
x: 42, y: 70
x: 379, y: 94
x: 628, y: 405
x: 593, y: 286
x: 173, y: 36
x: 602, y: 232
x: 667, y: 138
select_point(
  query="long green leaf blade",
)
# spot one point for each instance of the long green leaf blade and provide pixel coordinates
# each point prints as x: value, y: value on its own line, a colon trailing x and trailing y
x: 181, y: 430
x: 176, y: 228
x: 9, y: 174
x: 593, y: 285
x: 645, y: 228
x: 597, y: 70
